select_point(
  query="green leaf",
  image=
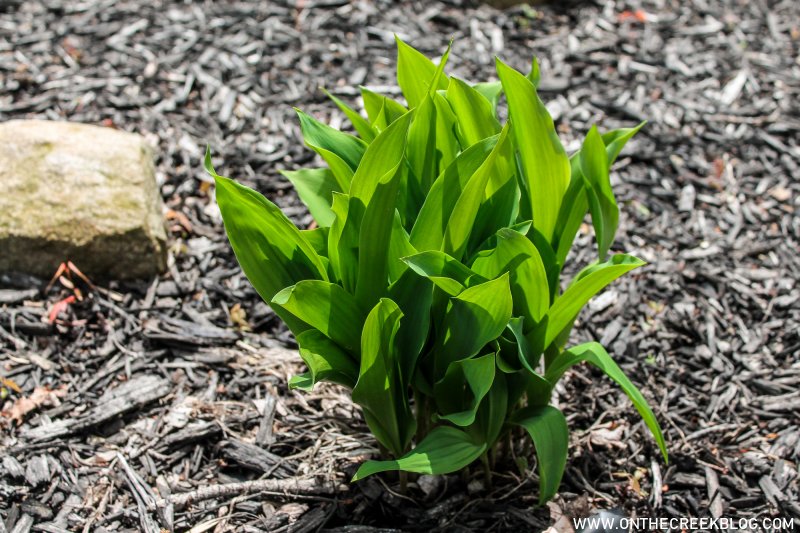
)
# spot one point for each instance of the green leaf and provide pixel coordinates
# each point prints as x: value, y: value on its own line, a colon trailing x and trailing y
x: 525, y: 352
x: 544, y: 163
x: 474, y: 318
x: 381, y: 160
x: 462, y: 219
x: 447, y: 145
x: 346, y: 250
x: 459, y: 393
x: 318, y: 239
x: 445, y: 272
x: 547, y: 426
x: 380, y: 390
x: 373, y: 197
x: 500, y: 206
x: 381, y: 110
x: 493, y: 411
x: 490, y: 90
x: 271, y: 250
x: 573, y: 210
x: 534, y: 75
x: 315, y: 187
x: 567, y: 306
x: 325, y: 307
x: 445, y: 449
x: 603, y: 206
x: 594, y: 353
x: 343, y: 241
x: 414, y: 295
x: 422, y: 156
x: 374, y: 240
x: 415, y: 72
x: 615, y: 140
x: 325, y: 360
x: 399, y: 247
x: 341, y: 151
x: 549, y: 260
x: 361, y: 125
x: 518, y: 256
x: 476, y: 116
x: 428, y: 230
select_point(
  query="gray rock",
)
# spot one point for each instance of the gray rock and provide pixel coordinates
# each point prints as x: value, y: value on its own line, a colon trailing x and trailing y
x: 78, y: 192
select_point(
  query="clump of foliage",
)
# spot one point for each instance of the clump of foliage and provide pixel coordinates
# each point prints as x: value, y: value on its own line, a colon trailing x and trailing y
x: 431, y: 285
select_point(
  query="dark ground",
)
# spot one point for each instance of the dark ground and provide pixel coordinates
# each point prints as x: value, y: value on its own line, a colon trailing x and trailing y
x: 146, y: 391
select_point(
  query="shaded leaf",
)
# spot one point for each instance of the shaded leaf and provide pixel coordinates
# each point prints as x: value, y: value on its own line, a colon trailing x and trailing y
x: 548, y: 428
x: 445, y: 449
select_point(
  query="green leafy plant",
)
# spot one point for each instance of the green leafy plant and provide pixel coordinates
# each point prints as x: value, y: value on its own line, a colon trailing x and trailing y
x: 430, y: 286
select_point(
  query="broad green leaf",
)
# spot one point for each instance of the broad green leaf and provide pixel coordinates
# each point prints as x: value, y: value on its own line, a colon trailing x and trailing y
x: 567, y: 306
x: 380, y: 109
x: 459, y: 393
x: 459, y: 226
x: 325, y: 307
x: 373, y: 198
x: 573, y: 210
x: 519, y: 257
x: 315, y: 187
x: 547, y: 426
x: 422, y: 156
x: 271, y: 250
x: 544, y: 163
x: 428, y: 230
x: 318, y: 239
x: 445, y: 272
x: 491, y: 91
x: 399, y: 247
x: 615, y: 140
x: 595, y: 354
x: 361, y: 125
x: 476, y: 120
x: 341, y: 151
x: 602, y: 204
x: 549, y: 260
x: 500, y: 209
x: 500, y: 205
x: 474, y: 318
x: 413, y: 294
x: 343, y: 242
x: 415, y: 72
x: 525, y: 352
x: 575, y: 204
x: 493, y: 411
x: 381, y: 160
x: 325, y: 360
x: 445, y: 449
x: 447, y: 145
x: 380, y: 390
x: 374, y: 240
x: 538, y: 390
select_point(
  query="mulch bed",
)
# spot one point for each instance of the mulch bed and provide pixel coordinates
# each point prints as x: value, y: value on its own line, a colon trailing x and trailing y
x: 163, y: 404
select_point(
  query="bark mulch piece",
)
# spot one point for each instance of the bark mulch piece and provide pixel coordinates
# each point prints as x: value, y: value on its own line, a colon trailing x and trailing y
x: 163, y: 404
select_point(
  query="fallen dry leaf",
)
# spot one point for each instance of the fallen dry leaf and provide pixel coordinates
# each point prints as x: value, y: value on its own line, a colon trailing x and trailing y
x: 41, y: 396
x: 608, y: 435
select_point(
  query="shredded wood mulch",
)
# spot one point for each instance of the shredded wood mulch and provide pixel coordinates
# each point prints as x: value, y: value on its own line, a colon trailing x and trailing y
x: 163, y: 404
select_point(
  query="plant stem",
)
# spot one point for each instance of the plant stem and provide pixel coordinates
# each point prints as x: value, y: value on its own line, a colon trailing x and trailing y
x: 508, y: 453
x: 422, y: 415
x: 403, y: 482
x: 487, y: 470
